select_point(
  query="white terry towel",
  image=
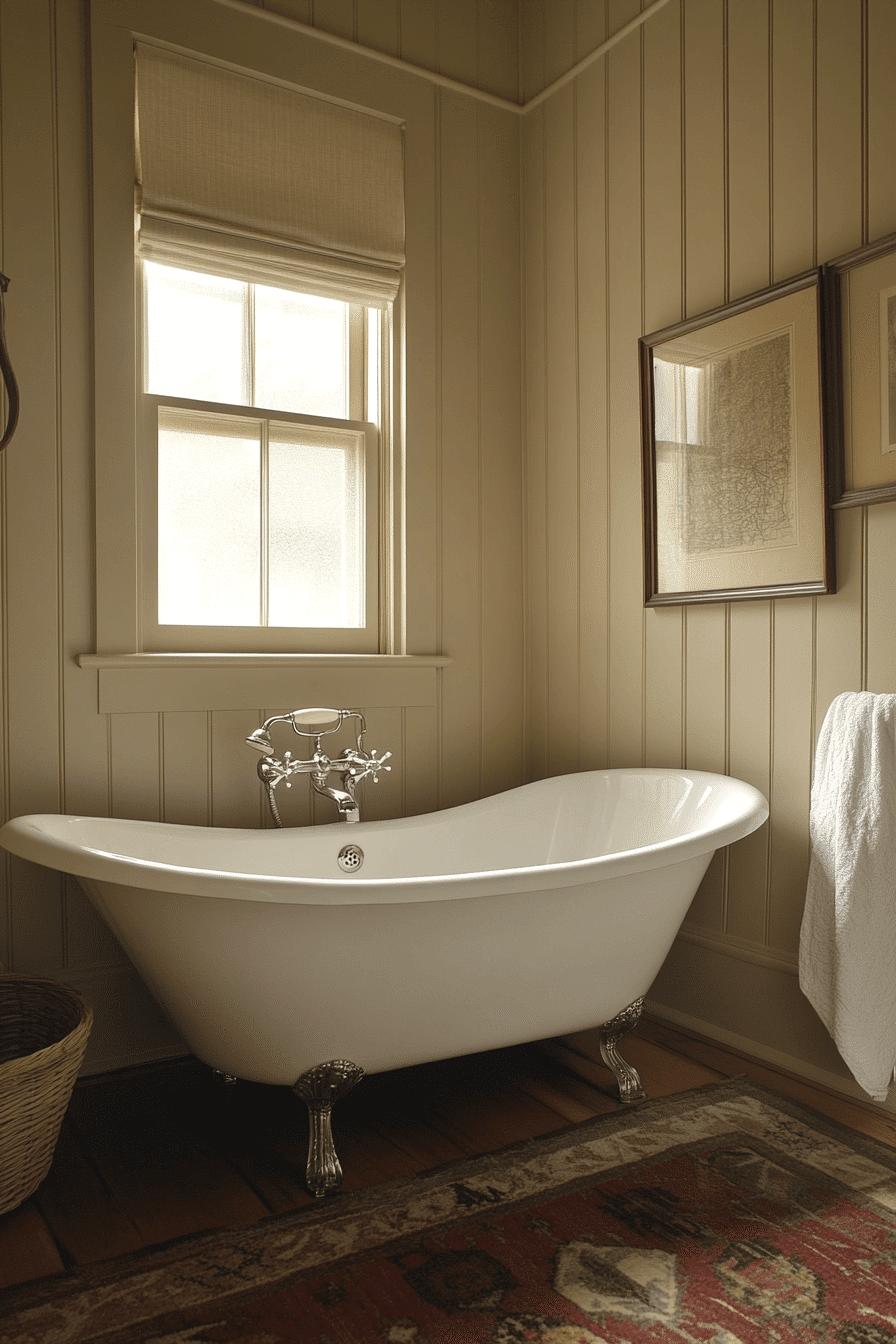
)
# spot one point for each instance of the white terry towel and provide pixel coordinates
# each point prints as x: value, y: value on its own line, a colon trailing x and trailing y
x: 848, y: 937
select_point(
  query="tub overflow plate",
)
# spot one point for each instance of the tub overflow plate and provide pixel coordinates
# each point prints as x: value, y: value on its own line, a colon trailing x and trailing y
x: 350, y: 858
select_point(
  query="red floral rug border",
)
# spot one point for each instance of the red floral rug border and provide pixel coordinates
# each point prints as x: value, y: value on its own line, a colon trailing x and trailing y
x: 107, y: 1301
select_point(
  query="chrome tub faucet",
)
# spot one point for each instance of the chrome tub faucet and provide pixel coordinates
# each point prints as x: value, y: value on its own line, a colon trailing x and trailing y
x: 353, y: 765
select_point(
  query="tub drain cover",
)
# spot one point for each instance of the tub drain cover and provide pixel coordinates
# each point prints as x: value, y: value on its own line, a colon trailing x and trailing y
x: 350, y: 858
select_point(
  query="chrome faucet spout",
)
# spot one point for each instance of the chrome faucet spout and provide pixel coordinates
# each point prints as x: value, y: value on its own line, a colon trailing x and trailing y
x: 345, y: 801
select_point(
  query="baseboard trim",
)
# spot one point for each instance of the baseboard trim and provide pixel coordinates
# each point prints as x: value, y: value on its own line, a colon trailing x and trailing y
x: 759, y: 1053
x: 741, y: 948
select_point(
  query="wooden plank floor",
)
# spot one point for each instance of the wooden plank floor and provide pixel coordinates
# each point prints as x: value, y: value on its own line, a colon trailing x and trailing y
x: 154, y: 1153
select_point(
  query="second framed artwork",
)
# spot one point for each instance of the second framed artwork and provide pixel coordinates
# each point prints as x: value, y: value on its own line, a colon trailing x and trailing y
x: 862, y: 299
x: 735, y: 460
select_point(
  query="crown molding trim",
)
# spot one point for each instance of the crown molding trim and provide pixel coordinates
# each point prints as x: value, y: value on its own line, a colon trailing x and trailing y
x: 443, y: 81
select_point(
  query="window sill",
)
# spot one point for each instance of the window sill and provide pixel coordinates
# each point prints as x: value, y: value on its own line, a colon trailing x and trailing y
x: 147, y: 683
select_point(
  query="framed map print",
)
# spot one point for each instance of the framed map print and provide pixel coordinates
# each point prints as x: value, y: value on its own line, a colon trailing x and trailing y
x: 734, y: 452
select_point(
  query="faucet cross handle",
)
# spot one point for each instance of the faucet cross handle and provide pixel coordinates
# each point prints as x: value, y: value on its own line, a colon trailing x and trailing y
x: 362, y: 764
x: 376, y: 764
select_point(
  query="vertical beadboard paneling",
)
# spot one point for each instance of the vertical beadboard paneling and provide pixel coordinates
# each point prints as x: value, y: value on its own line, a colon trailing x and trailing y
x: 793, y: 249
x: 378, y: 25
x: 237, y: 796
x: 461, y: 449
x: 498, y: 31
x: 86, y: 743
x: 663, y: 303
x: 591, y: 26
x: 881, y: 609
x: 704, y: 157
x: 31, y: 466
x: 664, y: 630
x: 561, y: 422
x: 458, y: 49
x: 558, y: 38
x: 185, y: 768
x: 749, y: 754
x: 706, y: 254
x: 422, y: 521
x: 662, y: 169
x: 136, y: 766
x: 31, y: 523
x: 840, y: 644
x: 881, y: 118
x: 593, y: 503
x: 839, y: 127
x: 791, y: 767
x: 793, y: 137
x: 420, y: 783
x: 500, y: 434
x: 536, y: 474
x: 385, y: 732
x: 748, y: 89
x: 624, y: 278
x: 418, y: 21
x: 706, y: 675
x: 532, y: 27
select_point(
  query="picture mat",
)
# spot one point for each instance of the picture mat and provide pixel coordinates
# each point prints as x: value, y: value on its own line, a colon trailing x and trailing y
x: 801, y: 559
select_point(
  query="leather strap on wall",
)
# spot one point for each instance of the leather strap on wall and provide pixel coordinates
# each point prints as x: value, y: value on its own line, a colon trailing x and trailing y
x: 9, y: 378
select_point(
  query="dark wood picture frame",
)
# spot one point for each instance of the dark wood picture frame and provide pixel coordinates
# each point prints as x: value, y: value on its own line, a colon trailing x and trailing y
x: 735, y: 488
x: 861, y: 315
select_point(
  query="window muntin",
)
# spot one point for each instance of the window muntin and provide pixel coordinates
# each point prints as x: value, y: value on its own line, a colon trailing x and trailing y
x: 258, y: 524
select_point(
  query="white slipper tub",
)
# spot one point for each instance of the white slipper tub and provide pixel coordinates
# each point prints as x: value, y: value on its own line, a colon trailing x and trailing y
x: 545, y: 910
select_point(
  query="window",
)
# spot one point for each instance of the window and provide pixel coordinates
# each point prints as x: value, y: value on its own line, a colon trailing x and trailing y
x: 262, y: 409
x: 269, y: 249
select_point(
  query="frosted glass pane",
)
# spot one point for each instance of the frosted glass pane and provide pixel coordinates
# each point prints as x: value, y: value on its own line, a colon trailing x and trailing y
x: 196, y: 335
x: 315, y: 530
x: 301, y: 353
x: 209, y: 521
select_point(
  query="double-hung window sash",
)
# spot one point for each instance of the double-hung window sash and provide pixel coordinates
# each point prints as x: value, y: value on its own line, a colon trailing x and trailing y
x: 270, y: 241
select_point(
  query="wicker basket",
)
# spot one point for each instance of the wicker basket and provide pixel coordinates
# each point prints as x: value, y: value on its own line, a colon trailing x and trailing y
x: 43, y: 1034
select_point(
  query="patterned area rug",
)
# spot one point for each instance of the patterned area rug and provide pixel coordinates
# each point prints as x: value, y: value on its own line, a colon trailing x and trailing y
x: 725, y: 1216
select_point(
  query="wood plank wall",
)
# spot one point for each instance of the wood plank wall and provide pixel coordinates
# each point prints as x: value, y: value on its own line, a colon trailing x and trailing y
x: 725, y: 146
x: 464, y: 507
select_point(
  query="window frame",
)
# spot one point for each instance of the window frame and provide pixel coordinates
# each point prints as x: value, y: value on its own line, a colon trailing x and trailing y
x: 163, y: 638
x: 116, y: 613
x: 367, y: 638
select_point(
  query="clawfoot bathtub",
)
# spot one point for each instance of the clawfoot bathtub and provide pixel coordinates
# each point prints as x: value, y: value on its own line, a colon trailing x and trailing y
x: 305, y: 957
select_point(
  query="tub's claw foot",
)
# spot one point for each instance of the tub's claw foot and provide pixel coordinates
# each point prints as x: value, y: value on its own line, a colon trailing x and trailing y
x: 611, y: 1033
x: 319, y: 1088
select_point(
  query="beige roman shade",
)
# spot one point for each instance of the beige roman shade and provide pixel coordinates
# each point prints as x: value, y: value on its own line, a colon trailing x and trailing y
x: 264, y: 182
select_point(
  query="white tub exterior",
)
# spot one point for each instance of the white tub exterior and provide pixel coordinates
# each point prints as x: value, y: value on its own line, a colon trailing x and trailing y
x: 534, y: 913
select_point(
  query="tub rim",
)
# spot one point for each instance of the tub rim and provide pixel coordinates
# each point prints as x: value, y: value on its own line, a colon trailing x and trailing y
x: 39, y: 837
